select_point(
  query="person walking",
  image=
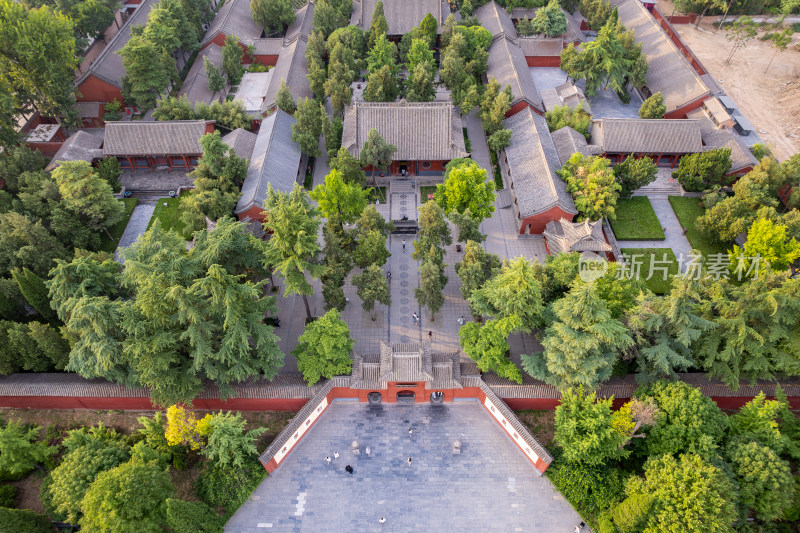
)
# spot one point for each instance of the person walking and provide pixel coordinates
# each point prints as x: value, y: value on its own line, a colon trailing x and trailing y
x: 328, y: 459
x: 461, y: 321
x: 410, y: 432
x: 381, y: 520
x: 409, y: 461
x: 349, y: 469
x: 389, y: 275
x: 430, y: 335
x: 367, y: 451
x: 403, y: 242
x: 415, y: 317
x: 335, y: 455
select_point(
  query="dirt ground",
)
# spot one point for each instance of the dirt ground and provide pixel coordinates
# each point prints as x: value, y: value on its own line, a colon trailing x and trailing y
x: 541, y: 424
x: 770, y: 101
x: 127, y: 422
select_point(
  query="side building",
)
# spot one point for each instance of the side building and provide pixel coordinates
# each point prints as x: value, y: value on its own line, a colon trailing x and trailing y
x: 143, y: 145
x: 401, y: 15
x: 665, y: 141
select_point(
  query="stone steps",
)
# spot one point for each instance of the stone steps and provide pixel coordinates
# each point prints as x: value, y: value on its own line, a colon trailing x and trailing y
x: 150, y: 193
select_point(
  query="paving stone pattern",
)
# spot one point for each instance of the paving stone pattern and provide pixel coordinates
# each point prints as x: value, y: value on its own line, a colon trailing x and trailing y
x: 489, y: 487
x: 137, y: 225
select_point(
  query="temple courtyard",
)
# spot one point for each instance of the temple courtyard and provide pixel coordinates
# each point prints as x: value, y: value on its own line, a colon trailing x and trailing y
x: 488, y: 486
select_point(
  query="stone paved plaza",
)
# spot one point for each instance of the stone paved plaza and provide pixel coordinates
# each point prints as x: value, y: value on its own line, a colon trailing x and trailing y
x: 489, y: 487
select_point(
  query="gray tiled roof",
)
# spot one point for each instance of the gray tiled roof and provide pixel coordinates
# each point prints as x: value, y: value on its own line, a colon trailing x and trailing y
x: 292, y: 67
x: 567, y: 94
x: 235, y: 18
x: 108, y: 65
x: 540, y: 47
x: 406, y: 363
x: 669, y: 73
x: 497, y: 20
x: 569, y: 141
x: 508, y: 66
x: 422, y: 131
x: 401, y: 15
x: 268, y: 46
x: 242, y: 142
x: 172, y: 137
x: 275, y: 161
x: 195, y: 86
x: 533, y: 160
x: 80, y: 146
x: 716, y: 137
x: 572, y: 35
x: 647, y: 136
x: 564, y: 236
x: 303, y: 23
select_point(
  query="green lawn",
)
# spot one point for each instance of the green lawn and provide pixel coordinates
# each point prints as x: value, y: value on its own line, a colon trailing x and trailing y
x: 636, y: 220
x: 116, y: 231
x: 309, y: 179
x: 168, y: 215
x: 688, y: 210
x: 498, y: 177
x: 424, y: 191
x: 645, y: 257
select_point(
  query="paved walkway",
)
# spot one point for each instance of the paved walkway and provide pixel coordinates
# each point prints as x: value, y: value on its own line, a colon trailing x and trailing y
x: 672, y: 230
x: 137, y: 225
x: 489, y: 487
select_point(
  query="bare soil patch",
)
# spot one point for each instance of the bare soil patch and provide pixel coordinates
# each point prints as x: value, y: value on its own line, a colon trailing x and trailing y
x: 771, y: 100
x: 541, y: 424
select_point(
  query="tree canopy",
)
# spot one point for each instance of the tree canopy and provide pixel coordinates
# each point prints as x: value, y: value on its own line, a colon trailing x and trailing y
x: 466, y: 187
x: 592, y: 184
x: 323, y: 350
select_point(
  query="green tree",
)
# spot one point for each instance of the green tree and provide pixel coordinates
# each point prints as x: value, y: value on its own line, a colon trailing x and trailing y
x: 371, y: 249
x: 27, y: 244
x: 665, y: 328
x: 597, y: 12
x: 688, y: 491
x: 169, y: 28
x: 487, y: 345
x: 765, y: 481
x: 703, y: 169
x: 130, y: 497
x: 217, y: 179
x: 17, y: 160
x: 633, y: 173
x: 420, y: 53
x: 109, y: 170
x: 216, y: 81
x: 284, y: 100
x: 515, y: 290
x: 349, y: 166
x: 433, y: 233
x: 468, y: 226
x: 419, y: 86
x: 149, y: 71
x: 381, y: 86
x: 588, y: 430
x: 494, y: 106
x: 592, y: 184
x: 378, y: 25
x: 323, y: 350
x: 576, y: 118
x: 466, y: 187
x: 34, y: 291
x: 689, y: 422
x: 229, y: 114
x: 293, y: 248
x: 79, y: 469
x: 172, y: 108
x: 308, y: 128
x: 758, y: 419
x: 332, y: 131
x: 332, y: 14
x: 20, y: 448
x: 339, y: 201
x: 432, y: 281
x: 582, y: 345
x: 779, y: 41
x: 372, y: 287
x: 742, y: 30
x: 37, y: 65
x: 192, y: 517
x: 370, y: 220
x: 550, y: 20
x: 524, y: 27
x: 767, y: 240
x: 630, y: 515
x: 376, y: 152
x: 232, y: 55
x: 429, y: 28
x: 382, y: 54
x: 499, y: 140
x: 272, y: 15
x: 653, y: 107
x: 229, y: 446
x: 475, y: 269
x: 24, y: 521
x: 341, y: 73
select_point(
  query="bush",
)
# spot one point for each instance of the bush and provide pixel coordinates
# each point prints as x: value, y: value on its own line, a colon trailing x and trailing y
x: 229, y: 488
x: 577, y: 118
x: 192, y: 517
x: 605, y: 525
x: 589, y: 489
x: 47, y: 501
x: 22, y: 521
x: 631, y: 515
x: 653, y: 107
x: 705, y: 169
x: 8, y: 493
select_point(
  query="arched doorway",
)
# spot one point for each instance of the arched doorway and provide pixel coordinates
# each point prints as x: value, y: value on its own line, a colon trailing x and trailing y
x: 437, y: 398
x: 406, y: 396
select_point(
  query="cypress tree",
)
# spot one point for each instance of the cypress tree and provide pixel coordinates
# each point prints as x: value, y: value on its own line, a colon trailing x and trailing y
x: 34, y: 290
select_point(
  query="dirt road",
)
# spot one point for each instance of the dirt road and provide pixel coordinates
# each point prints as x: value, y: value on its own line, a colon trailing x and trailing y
x: 771, y: 101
